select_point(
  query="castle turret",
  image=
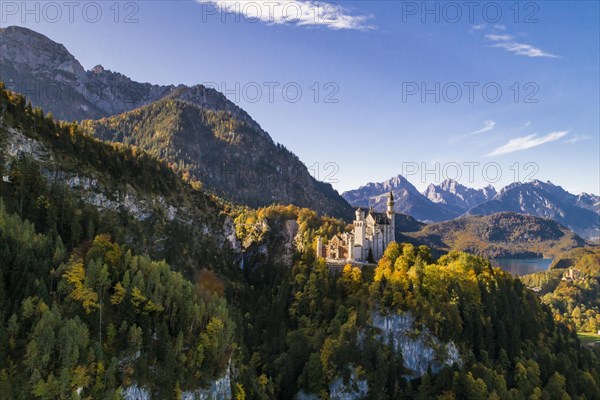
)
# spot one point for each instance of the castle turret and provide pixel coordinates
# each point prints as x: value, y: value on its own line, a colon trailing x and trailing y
x: 391, y: 214
x: 319, y: 246
x: 359, y: 234
x: 359, y: 214
x: 390, y: 203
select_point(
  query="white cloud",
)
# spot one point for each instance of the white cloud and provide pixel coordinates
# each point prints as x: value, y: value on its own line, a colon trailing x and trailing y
x: 507, y: 43
x: 576, y: 138
x: 500, y: 27
x: 289, y: 12
x: 495, y: 37
x: 488, y: 125
x: 523, y: 49
x: 527, y: 142
x: 477, y: 27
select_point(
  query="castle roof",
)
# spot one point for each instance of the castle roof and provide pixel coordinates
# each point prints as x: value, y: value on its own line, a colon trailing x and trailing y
x: 380, y: 218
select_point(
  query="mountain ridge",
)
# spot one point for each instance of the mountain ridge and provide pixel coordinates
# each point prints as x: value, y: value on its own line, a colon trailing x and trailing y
x: 408, y: 200
x: 454, y: 194
x: 228, y: 156
x: 499, y: 235
x: 544, y: 199
x: 29, y: 59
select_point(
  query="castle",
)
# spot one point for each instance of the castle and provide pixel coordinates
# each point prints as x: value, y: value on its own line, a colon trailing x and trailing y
x: 372, y: 232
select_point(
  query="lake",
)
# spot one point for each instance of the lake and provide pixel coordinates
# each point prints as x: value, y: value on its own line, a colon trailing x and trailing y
x: 522, y: 266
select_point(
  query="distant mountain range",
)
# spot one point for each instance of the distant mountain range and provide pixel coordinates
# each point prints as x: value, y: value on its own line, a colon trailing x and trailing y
x: 449, y: 200
x: 457, y: 196
x: 408, y: 200
x: 195, y: 129
x: 543, y: 199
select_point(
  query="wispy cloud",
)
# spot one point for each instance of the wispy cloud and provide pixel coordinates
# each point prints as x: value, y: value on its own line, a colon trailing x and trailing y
x: 523, y: 49
x: 488, y: 125
x: 527, y: 142
x: 525, y: 125
x: 495, y: 37
x: 292, y: 12
x: 500, y: 27
x: 506, y: 42
x: 576, y: 138
x: 477, y: 27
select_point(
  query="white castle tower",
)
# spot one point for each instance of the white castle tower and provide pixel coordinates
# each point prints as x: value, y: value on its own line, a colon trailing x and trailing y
x: 391, y: 214
x: 359, y: 235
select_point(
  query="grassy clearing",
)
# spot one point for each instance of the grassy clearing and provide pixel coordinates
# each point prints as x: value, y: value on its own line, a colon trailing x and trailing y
x: 588, y: 338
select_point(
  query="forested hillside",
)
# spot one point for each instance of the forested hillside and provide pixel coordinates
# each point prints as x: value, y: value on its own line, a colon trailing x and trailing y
x: 501, y: 235
x: 72, y: 185
x: 238, y: 306
x: 410, y: 328
x: 99, y: 319
x: 571, y: 287
x: 83, y: 314
x: 236, y: 160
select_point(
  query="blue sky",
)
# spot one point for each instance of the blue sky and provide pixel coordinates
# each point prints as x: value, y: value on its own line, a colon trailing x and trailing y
x: 388, y: 87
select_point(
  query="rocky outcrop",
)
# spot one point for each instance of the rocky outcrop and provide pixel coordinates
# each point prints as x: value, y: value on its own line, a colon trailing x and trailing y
x: 353, y: 389
x: 220, y: 389
x: 455, y: 195
x: 421, y: 352
x: 290, y: 232
x: 89, y: 186
x: 420, y: 349
x: 101, y: 191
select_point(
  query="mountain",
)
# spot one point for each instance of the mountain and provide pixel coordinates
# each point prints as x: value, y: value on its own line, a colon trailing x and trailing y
x: 406, y: 223
x: 580, y: 255
x: 499, y: 235
x: 450, y: 199
x: 196, y: 129
x: 543, y: 199
x: 458, y: 196
x: 236, y: 160
x: 408, y: 200
x: 53, y: 79
x: 589, y: 201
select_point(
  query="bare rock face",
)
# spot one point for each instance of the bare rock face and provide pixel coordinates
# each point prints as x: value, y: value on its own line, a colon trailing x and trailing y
x: 220, y: 389
x: 21, y: 47
x: 459, y: 196
x: 354, y: 389
x: 420, y: 349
